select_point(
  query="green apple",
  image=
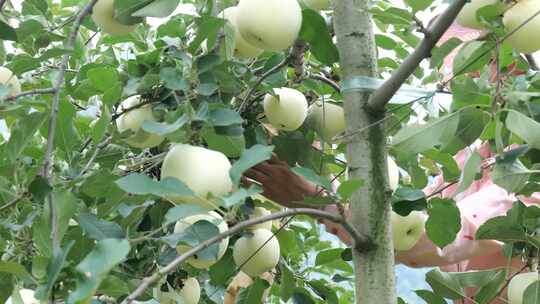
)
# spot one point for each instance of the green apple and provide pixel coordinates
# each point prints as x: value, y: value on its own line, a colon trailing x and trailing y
x: 328, y: 119
x: 189, y: 294
x: 103, y: 16
x: 526, y: 39
x: 518, y: 285
x: 242, y: 48
x: 254, y: 264
x: 133, y: 121
x: 27, y: 297
x: 7, y: 78
x: 212, y: 217
x: 393, y: 174
x: 204, y: 171
x: 269, y: 25
x: 287, y: 111
x: 259, y: 212
x: 467, y: 16
x: 318, y: 5
x: 407, y: 230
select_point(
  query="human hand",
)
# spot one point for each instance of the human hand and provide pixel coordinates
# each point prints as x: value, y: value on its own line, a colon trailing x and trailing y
x: 280, y: 184
x: 335, y: 228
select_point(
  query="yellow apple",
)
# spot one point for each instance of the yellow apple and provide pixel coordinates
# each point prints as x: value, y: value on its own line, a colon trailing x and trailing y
x: 393, y: 174
x: 7, y: 78
x: 407, y: 230
x: 133, y: 121
x: 103, y: 16
x: 518, y: 285
x: 318, y: 5
x: 242, y: 48
x: 254, y: 264
x: 526, y: 39
x: 327, y: 118
x: 189, y: 294
x: 259, y: 212
x: 204, y: 171
x: 242, y: 280
x: 286, y: 112
x: 212, y: 217
x: 27, y: 297
x: 269, y: 25
x: 467, y: 16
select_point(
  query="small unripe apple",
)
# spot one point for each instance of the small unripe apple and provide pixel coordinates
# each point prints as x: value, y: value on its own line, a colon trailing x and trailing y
x: 7, y: 78
x: 393, y: 174
x: 269, y: 25
x: 242, y: 48
x: 467, y: 16
x: 254, y: 264
x: 204, y: 171
x: 133, y: 121
x: 27, y: 297
x: 103, y: 16
x: 259, y: 212
x: 407, y: 230
x: 318, y: 5
x: 212, y: 217
x: 527, y: 38
x: 518, y: 285
x: 328, y: 119
x: 286, y: 112
x: 189, y: 294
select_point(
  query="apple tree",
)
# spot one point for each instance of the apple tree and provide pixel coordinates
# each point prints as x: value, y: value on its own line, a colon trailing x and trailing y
x: 130, y: 130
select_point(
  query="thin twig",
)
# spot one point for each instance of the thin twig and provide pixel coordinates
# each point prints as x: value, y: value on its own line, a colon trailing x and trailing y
x: 362, y: 243
x: 46, y: 172
x: 99, y: 147
x: 31, y: 92
x: 328, y: 81
x: 12, y: 203
x: 508, y: 281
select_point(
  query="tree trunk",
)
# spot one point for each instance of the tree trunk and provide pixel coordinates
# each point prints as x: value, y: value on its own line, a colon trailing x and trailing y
x: 366, y: 155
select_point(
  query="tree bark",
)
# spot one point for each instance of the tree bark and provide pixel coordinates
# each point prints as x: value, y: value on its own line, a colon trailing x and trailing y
x: 366, y: 155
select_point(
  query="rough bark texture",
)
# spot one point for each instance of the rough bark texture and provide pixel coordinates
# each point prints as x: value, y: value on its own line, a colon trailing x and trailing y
x: 366, y: 156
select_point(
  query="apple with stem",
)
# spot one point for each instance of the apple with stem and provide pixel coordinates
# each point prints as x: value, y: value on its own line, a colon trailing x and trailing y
x: 132, y: 121
x: 212, y: 217
x: 523, y: 32
x: 286, y: 109
x: 8, y: 79
x: 204, y: 171
x: 328, y: 119
x: 242, y: 48
x: 407, y: 230
x: 190, y: 293
x: 269, y: 25
x: 103, y: 16
x: 518, y: 285
x: 256, y: 252
x: 260, y: 212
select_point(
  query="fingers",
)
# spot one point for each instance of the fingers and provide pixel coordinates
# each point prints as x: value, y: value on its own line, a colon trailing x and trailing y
x: 257, y: 176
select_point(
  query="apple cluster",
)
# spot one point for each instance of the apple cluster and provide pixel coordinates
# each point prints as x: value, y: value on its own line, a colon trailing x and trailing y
x: 518, y: 18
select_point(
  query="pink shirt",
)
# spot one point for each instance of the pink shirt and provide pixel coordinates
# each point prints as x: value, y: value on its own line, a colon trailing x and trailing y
x: 481, y: 201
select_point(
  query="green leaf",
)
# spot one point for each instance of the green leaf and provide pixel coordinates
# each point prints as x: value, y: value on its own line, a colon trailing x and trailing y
x: 419, y: 5
x: 143, y: 185
x: 55, y: 266
x: 254, y: 293
x: 347, y: 188
x: 124, y: 8
x: 182, y: 211
x: 472, y: 167
x: 438, y: 54
x: 103, y: 78
x: 22, y: 134
x: 7, y: 32
x: 195, y: 234
x: 473, y: 56
x: 15, y: 269
x: 315, y: 31
x: 444, y: 221
x: 231, y: 146
x: 250, y: 157
x: 512, y: 176
x: 97, y: 229
x: 39, y: 188
x: 288, y: 283
x: 240, y: 196
x: 501, y: 228
x: 221, y: 272
x: 224, y: 117
x: 490, y: 290
x: 472, y: 122
x: 430, y: 297
x: 532, y: 293
x: 95, y: 267
x: 311, y: 176
x: 524, y: 127
x: 163, y: 129
x: 157, y: 9
x: 99, y: 130
x: 328, y: 256
x: 444, y: 284
x: 406, y: 200
x: 173, y: 79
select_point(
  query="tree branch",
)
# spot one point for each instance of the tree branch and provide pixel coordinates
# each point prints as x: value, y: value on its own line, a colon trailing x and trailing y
x: 46, y: 173
x: 328, y: 81
x: 382, y: 95
x: 361, y: 242
x: 31, y: 92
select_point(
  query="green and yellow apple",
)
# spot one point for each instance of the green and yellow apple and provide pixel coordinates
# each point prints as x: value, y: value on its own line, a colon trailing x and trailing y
x: 467, y: 16
x: 204, y: 171
x: 259, y: 212
x: 189, y: 294
x: 518, y: 285
x: 393, y: 174
x: 286, y: 109
x: 242, y: 48
x: 212, y: 217
x: 254, y: 264
x: 133, y: 121
x: 7, y: 78
x: 103, y: 16
x: 524, y: 39
x: 269, y: 25
x: 407, y: 230
x: 27, y: 297
x: 327, y: 118
x: 318, y: 5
